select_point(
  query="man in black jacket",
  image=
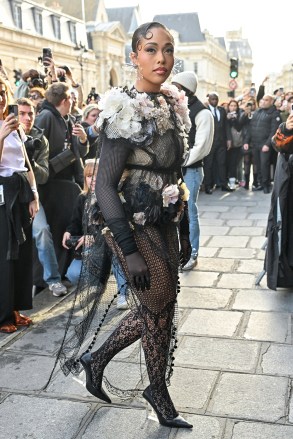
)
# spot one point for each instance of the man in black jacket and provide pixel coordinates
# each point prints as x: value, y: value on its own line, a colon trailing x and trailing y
x: 64, y: 135
x: 216, y: 159
x: 62, y: 132
x: 262, y: 127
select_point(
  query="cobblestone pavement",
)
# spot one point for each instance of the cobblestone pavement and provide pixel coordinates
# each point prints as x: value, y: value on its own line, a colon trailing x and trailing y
x: 233, y: 367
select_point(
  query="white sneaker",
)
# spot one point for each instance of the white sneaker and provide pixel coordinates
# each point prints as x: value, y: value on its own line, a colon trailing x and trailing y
x: 58, y: 289
x: 190, y: 264
x: 121, y: 302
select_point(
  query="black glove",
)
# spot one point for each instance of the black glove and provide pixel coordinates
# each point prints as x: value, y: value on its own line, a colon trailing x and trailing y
x: 138, y: 270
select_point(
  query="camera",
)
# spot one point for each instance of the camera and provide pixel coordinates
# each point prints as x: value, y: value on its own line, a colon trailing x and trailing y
x: 13, y: 109
x: 37, y: 82
x: 47, y: 53
x: 32, y: 144
x: 63, y: 77
x: 72, y: 241
x: 71, y: 244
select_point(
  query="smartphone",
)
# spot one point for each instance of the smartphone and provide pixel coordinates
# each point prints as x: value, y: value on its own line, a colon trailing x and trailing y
x: 291, y: 108
x: 47, y: 53
x: 13, y: 109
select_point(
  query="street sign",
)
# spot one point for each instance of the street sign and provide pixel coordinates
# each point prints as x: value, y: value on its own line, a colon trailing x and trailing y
x: 233, y: 84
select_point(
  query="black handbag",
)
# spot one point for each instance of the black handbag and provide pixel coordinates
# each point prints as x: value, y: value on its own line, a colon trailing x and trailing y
x: 62, y: 160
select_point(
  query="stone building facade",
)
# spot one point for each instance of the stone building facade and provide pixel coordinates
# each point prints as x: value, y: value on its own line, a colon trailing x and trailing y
x: 95, y: 42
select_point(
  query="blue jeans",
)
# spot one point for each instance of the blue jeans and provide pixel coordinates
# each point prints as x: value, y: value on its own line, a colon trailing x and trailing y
x: 120, y: 278
x: 193, y: 179
x: 45, y: 247
x: 73, y: 271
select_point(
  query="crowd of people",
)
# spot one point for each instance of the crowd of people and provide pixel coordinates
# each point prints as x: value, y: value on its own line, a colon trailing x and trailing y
x: 112, y: 189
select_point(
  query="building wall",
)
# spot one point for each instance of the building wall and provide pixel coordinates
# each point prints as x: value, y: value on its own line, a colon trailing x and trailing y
x: 104, y: 66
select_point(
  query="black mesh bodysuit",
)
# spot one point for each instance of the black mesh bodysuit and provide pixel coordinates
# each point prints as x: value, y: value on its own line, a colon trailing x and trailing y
x: 147, y: 168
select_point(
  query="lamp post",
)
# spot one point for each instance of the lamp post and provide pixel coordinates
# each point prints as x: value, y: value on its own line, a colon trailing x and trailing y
x: 82, y: 50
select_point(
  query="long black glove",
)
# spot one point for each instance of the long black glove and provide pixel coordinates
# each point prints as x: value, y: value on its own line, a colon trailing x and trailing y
x: 185, y: 245
x: 138, y: 270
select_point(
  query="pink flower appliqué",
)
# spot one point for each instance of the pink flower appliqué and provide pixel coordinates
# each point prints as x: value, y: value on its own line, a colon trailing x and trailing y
x: 170, y: 195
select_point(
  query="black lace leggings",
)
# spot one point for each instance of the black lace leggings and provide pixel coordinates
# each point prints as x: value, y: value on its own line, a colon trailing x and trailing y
x: 155, y: 334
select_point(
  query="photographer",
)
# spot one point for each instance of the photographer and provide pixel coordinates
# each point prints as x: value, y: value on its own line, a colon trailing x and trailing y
x: 234, y: 152
x: 74, y: 238
x: 31, y: 78
x: 37, y: 148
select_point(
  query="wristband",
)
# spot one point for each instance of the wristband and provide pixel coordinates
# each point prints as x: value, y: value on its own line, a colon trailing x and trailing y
x: 34, y: 188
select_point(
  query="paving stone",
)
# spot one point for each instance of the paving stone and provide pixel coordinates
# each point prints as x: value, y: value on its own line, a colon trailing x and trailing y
x: 217, y: 353
x: 209, y: 214
x: 40, y: 418
x: 216, y: 264
x: 197, y: 278
x: 257, y: 242
x: 249, y: 266
x: 15, y: 366
x: 213, y: 208
x: 291, y: 408
x: 214, y: 298
x: 261, y: 223
x: 204, y: 427
x: 40, y: 339
x: 256, y: 430
x: 124, y: 423
x: 228, y: 241
x: 278, y: 359
x: 246, y: 231
x: 268, y: 327
x: 237, y: 215
x: 235, y: 223
x: 209, y: 322
x: 258, y: 300
x: 261, y: 209
x: 206, y: 252
x: 191, y: 388
x: 258, y: 216
x: 236, y: 280
x: 214, y: 230
x: 211, y: 222
x: 203, y: 240
x: 253, y: 397
x: 237, y: 253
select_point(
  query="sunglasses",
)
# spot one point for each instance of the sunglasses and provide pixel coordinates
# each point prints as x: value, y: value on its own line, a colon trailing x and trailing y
x: 34, y: 97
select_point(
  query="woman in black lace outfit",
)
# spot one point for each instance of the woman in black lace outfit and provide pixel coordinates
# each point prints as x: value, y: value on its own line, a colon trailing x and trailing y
x: 143, y: 132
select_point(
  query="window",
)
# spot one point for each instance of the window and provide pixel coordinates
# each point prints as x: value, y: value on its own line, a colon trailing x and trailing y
x: 38, y: 19
x: 56, y: 26
x: 16, y: 13
x: 195, y: 67
x: 72, y: 31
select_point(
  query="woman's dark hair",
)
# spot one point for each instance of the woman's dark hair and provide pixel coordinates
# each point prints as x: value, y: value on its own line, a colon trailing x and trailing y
x: 144, y: 31
x: 236, y: 102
